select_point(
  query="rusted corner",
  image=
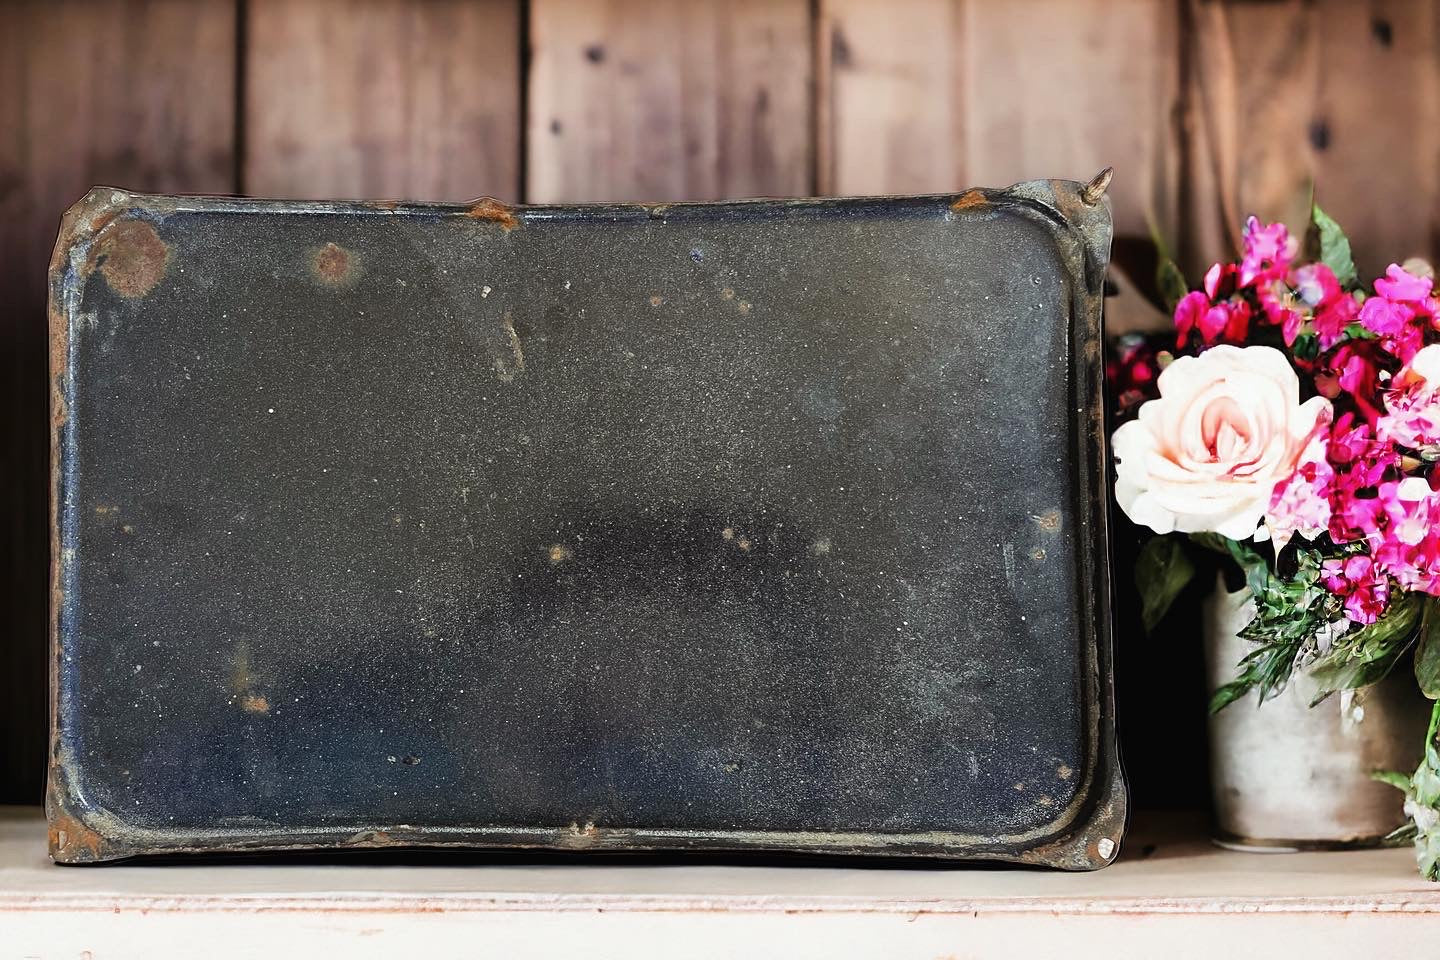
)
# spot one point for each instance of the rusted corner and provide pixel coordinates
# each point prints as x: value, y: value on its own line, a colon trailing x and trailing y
x: 1095, y: 843
x: 1085, y: 208
x: 72, y: 841
x: 488, y: 208
x: 76, y: 834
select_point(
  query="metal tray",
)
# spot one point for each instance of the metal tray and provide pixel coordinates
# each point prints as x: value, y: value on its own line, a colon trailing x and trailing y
x: 771, y: 525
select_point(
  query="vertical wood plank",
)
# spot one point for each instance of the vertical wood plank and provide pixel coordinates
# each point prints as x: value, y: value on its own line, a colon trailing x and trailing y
x: 654, y: 100
x: 937, y: 95
x: 414, y: 99
x: 1344, y: 94
x: 136, y: 94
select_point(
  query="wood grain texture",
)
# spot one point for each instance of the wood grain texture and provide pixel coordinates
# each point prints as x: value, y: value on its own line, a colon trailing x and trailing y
x: 1344, y: 94
x: 132, y: 94
x: 655, y: 100
x: 413, y: 99
x: 938, y: 95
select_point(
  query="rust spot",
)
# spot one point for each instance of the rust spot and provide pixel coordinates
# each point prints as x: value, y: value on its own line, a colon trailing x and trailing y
x: 728, y: 533
x: 1037, y: 554
x: 970, y: 200
x: 103, y: 509
x: 1049, y: 520
x: 743, y: 543
x: 743, y: 306
x: 559, y: 553
x: 1064, y: 772
x: 255, y: 703
x: 656, y: 300
x: 382, y: 204
x: 728, y: 293
x: 1020, y: 787
x: 488, y: 208
x: 130, y: 256
x: 333, y: 265
x: 71, y: 840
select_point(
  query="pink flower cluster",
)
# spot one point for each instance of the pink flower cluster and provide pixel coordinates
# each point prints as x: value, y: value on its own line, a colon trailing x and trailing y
x: 1266, y: 285
x: 1368, y: 479
x: 1401, y: 313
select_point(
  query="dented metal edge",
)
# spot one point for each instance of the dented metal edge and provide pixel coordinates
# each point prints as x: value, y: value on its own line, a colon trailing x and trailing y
x: 1084, y: 836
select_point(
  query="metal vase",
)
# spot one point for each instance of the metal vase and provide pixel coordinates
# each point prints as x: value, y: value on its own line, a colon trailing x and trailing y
x: 1287, y: 776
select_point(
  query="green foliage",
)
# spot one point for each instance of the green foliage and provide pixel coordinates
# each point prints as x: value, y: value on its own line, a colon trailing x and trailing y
x: 1422, y: 802
x: 1162, y: 570
x: 1334, y: 247
x: 1427, y: 650
x: 1306, y: 346
x: 1362, y: 657
x: 1396, y: 779
x: 1170, y: 282
x: 1288, y: 612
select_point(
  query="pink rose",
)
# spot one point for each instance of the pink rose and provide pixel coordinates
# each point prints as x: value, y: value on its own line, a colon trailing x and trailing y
x: 1207, y: 454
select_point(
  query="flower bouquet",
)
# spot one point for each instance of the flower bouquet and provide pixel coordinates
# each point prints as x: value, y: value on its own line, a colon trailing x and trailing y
x: 1295, y: 429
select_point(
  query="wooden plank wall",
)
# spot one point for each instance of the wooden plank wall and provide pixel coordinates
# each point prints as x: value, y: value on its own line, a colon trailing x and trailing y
x: 1208, y: 109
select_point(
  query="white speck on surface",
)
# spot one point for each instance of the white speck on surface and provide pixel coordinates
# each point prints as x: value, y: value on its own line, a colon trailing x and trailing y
x: 1106, y: 847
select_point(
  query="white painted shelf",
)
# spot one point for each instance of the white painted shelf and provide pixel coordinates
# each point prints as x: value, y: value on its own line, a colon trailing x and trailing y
x: 1170, y: 895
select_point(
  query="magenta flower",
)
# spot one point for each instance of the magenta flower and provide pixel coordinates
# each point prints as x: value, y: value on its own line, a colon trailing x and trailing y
x: 1364, y: 589
x: 1268, y: 249
x: 1400, y: 284
x: 1385, y: 317
x: 1332, y: 317
x: 1412, y: 405
x: 1218, y: 314
x: 1301, y: 502
x: 1401, y: 311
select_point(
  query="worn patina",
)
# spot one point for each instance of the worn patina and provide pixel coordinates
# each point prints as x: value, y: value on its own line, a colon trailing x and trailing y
x: 774, y: 525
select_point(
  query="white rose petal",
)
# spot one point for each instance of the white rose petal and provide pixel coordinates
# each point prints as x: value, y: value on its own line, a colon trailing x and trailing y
x: 1206, y: 455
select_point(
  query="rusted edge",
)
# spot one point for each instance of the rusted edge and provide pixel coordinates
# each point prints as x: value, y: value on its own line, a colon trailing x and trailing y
x: 488, y: 208
x: 970, y: 200
x: 1090, y: 830
x: 72, y: 839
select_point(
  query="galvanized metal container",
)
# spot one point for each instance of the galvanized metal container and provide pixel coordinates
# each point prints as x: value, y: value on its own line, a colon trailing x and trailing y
x: 1287, y: 776
x: 773, y: 525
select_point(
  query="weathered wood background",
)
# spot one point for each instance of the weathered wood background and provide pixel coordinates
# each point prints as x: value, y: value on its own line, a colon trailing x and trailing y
x: 1208, y: 110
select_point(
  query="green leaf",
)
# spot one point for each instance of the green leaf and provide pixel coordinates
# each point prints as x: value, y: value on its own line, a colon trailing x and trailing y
x: 1364, y: 656
x: 1228, y: 694
x: 1427, y: 651
x: 1288, y: 613
x: 1334, y: 247
x: 1256, y: 570
x: 1400, y: 781
x: 1170, y: 282
x: 1161, y: 571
